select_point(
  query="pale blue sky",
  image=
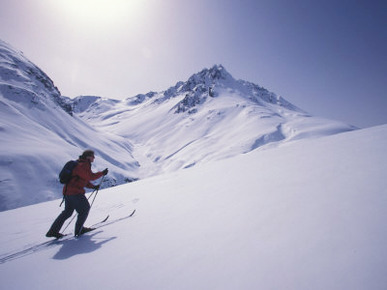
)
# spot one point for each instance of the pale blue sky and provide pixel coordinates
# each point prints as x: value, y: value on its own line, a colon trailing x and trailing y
x: 327, y: 57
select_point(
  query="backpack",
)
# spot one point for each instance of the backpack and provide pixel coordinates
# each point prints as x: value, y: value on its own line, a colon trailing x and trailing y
x: 66, y: 172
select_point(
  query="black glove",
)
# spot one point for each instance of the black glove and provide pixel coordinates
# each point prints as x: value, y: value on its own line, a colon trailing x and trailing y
x: 96, y: 187
x: 105, y: 171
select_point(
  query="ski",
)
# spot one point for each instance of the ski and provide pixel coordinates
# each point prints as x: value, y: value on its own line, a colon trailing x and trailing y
x: 30, y: 250
x: 104, y: 220
x: 105, y: 223
x: 92, y: 228
x: 39, y: 247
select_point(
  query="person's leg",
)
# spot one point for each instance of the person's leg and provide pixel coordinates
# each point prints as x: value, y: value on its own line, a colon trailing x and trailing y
x: 59, y: 221
x: 82, y: 206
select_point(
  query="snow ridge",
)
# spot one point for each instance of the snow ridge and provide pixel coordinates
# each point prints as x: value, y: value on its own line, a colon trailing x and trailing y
x: 210, y: 116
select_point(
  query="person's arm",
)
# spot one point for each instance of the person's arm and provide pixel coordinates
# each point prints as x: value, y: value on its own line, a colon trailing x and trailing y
x: 83, y: 170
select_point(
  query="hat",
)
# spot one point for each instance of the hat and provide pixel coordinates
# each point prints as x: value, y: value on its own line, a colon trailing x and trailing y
x: 87, y: 153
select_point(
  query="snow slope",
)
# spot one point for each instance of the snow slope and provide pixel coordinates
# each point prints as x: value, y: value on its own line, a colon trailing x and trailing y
x: 38, y: 135
x: 307, y: 215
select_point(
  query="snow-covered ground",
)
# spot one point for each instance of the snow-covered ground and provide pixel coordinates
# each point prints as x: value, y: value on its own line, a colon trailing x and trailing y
x: 38, y: 135
x: 308, y: 214
x: 209, y: 117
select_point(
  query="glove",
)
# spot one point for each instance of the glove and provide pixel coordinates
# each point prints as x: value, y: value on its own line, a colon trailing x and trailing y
x: 96, y: 187
x: 105, y: 171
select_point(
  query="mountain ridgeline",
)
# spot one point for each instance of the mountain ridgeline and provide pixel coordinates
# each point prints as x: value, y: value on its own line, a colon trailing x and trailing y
x: 209, y: 117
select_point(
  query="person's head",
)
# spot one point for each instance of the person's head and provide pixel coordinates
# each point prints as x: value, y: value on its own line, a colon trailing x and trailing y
x: 87, y: 155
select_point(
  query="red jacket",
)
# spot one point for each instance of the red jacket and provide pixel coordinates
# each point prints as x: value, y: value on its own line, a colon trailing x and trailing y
x: 81, y: 177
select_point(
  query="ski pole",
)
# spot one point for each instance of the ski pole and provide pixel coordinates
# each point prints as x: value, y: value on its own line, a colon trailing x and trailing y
x: 94, y: 191
x: 73, y: 217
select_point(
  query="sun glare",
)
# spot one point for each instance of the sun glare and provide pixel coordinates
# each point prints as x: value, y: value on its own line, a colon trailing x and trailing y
x: 100, y: 12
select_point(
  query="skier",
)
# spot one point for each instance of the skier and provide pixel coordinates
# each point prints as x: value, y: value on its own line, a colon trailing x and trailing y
x: 74, y: 195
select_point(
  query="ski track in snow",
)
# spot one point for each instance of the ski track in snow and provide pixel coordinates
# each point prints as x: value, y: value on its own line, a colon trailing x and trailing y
x: 45, y: 245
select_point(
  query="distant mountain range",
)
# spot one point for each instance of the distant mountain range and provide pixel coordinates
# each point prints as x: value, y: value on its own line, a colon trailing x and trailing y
x: 209, y: 117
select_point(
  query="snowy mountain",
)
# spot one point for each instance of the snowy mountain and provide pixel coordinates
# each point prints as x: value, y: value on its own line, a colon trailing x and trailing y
x: 211, y: 116
x: 308, y: 215
x: 39, y: 133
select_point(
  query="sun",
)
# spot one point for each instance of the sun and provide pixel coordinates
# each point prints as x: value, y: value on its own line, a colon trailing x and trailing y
x: 99, y: 13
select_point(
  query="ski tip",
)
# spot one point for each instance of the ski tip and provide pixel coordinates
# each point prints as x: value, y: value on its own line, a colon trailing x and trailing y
x: 132, y: 213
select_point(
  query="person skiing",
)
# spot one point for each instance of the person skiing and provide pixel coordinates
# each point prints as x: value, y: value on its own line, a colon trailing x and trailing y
x: 74, y: 195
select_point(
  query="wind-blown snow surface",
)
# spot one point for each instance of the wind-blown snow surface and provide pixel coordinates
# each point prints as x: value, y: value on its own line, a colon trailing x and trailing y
x: 306, y: 215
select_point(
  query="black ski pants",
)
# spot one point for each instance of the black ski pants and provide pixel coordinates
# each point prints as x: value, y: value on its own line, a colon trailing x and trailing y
x: 76, y: 202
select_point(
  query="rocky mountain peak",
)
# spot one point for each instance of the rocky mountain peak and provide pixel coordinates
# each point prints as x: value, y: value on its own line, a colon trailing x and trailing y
x: 25, y: 83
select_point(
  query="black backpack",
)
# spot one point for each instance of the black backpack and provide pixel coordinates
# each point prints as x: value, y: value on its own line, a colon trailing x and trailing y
x: 66, y: 172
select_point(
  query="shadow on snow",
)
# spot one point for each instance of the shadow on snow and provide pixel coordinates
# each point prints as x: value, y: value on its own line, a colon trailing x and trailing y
x: 78, y: 246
